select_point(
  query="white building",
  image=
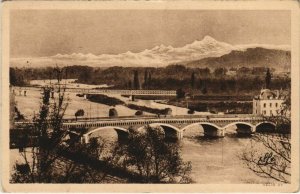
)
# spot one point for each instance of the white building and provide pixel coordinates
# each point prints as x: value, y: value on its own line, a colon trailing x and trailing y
x: 268, y: 103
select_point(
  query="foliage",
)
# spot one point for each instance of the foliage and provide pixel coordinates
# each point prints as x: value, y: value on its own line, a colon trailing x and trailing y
x: 157, y: 111
x: 136, y: 81
x: 220, y: 71
x: 79, y: 113
x: 16, y: 77
x: 48, y: 132
x: 193, y: 80
x: 104, y: 99
x: 172, y: 77
x: 204, y: 90
x: 113, y: 112
x: 180, y: 93
x: 155, y: 159
x: 19, y: 116
x: 191, y: 111
x: 139, y: 113
x: 268, y: 79
x: 167, y: 111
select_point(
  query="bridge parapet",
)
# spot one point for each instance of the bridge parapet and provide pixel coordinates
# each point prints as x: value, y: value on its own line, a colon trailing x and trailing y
x: 108, y: 91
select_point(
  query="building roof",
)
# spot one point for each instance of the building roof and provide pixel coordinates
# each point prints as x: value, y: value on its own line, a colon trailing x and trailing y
x: 266, y: 94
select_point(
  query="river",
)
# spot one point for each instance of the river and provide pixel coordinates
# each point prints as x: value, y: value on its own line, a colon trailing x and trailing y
x: 214, y: 161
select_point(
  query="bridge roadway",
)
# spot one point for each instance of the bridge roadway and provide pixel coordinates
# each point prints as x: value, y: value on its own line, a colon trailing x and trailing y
x: 25, y: 90
x: 173, y: 126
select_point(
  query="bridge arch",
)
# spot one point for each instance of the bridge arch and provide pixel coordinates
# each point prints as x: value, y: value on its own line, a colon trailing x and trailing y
x: 241, y: 127
x: 170, y: 131
x: 265, y: 126
x: 210, y: 129
x: 121, y: 132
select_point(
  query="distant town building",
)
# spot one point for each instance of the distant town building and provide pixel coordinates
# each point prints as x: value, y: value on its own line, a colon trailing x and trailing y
x: 268, y: 103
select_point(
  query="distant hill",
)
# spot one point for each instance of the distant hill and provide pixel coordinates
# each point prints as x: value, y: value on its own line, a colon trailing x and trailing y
x: 251, y: 57
x: 208, y: 52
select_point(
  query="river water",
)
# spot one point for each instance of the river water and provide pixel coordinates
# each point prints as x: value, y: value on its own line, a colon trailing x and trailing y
x: 213, y: 160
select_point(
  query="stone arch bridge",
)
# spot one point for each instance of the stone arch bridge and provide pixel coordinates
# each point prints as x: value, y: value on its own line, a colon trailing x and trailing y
x: 174, y: 127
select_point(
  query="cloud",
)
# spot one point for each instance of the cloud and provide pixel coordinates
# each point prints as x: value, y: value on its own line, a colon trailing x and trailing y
x: 158, y: 56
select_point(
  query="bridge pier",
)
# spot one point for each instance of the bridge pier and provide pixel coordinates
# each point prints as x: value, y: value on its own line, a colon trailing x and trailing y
x: 221, y: 133
x: 85, y: 139
x: 131, y: 98
x: 180, y: 135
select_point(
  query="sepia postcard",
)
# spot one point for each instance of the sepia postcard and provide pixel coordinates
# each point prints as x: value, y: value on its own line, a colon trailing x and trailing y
x: 150, y: 96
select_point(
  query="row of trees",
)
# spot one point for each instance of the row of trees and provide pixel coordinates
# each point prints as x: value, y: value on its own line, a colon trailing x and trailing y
x: 171, y: 77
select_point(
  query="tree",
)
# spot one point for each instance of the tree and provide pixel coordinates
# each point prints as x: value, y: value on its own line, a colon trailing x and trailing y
x: 16, y: 77
x: 193, y: 80
x: 167, y: 111
x: 268, y: 78
x: 269, y: 156
x: 149, y: 79
x: 220, y: 71
x: 136, y: 81
x: 180, y: 93
x: 129, y: 84
x: 86, y: 74
x: 42, y: 142
x: 154, y: 158
x: 146, y: 79
x: 19, y: 116
x: 79, y: 113
x: 113, y: 112
x: 139, y: 113
x: 204, y: 90
x: 191, y: 111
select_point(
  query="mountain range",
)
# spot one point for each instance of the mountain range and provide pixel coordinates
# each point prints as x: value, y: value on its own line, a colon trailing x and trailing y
x: 207, y: 52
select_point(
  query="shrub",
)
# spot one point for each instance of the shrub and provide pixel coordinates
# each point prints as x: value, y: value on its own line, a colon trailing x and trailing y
x: 191, y: 111
x: 113, y: 112
x: 139, y: 113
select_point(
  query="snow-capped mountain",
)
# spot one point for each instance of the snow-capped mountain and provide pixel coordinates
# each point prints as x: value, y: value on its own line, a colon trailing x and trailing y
x: 158, y: 56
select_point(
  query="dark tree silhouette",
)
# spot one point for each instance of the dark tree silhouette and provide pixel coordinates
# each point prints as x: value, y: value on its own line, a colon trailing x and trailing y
x: 79, y: 113
x: 193, y: 80
x: 136, y: 81
x: 113, y: 112
x: 149, y: 79
x: 155, y: 159
x: 268, y: 79
x: 146, y: 79
x: 45, y: 137
x: 269, y: 156
x: 204, y: 90
x: 129, y: 84
x: 180, y: 93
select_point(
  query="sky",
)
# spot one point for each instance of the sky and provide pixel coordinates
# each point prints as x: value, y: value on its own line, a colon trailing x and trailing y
x: 36, y: 33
